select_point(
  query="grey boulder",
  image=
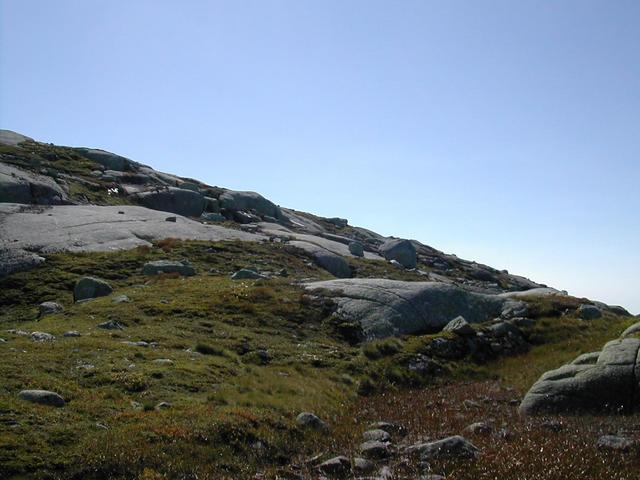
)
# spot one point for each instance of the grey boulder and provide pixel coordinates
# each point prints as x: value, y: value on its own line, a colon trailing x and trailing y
x: 339, y: 466
x: 91, y: 287
x: 450, y: 447
x: 606, y: 385
x: 402, y: 251
x: 175, y: 200
x: 311, y: 421
x: 21, y: 186
x: 377, y: 435
x: 589, y: 312
x: 460, y: 327
x: 247, y: 201
x: 329, y: 261
x: 48, y: 308
x: 42, y: 337
x: 43, y: 397
x: 386, y: 308
x: 158, y: 267
x: 247, y: 274
x: 357, y: 249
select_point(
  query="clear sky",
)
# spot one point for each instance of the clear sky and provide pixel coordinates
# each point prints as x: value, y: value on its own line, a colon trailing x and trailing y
x: 507, y: 132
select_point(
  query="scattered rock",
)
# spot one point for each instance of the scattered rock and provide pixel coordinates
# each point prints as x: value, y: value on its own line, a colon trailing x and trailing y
x: 91, y: 287
x: 121, y: 299
x: 377, y: 435
x: 157, y: 267
x: 459, y: 326
x: 450, y: 447
x: 71, y: 334
x: 42, y: 337
x: 43, y: 397
x: 374, y: 449
x: 400, y: 250
x: 111, y: 325
x: 163, y: 361
x: 338, y: 466
x: 139, y: 343
x: 163, y: 406
x: 357, y: 249
x: 615, y: 442
x: 247, y: 274
x: 391, y: 428
x: 479, y: 428
x: 363, y: 466
x: 311, y: 421
x: 48, y: 308
x: 589, y: 312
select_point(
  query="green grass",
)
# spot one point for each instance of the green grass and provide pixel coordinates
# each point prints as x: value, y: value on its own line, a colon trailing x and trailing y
x: 245, y: 358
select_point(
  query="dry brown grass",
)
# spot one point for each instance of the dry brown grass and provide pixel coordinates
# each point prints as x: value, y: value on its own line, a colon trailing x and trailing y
x: 529, y: 448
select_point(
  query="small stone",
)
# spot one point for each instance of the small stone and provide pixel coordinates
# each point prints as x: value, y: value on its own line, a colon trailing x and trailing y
x: 615, y: 442
x: 42, y: 337
x: 471, y: 405
x: 163, y: 361
x: 163, y: 406
x: 311, y: 420
x: 377, y: 434
x: 247, y: 274
x: 363, y: 466
x: 391, y: 428
x: 121, y: 299
x: 375, y: 450
x: 450, y: 447
x: 48, y: 308
x: 136, y: 344
x: 338, y: 466
x: 460, y: 327
x: 71, y: 333
x: 43, y: 397
x: 479, y: 428
x: 111, y: 325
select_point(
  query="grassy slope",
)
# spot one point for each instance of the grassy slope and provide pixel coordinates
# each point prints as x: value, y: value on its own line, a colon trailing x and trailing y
x: 226, y: 400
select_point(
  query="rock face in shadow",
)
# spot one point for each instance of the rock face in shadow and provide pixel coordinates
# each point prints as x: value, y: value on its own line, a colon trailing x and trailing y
x: 593, y: 382
x: 174, y: 200
x: 249, y: 201
x: 385, y: 308
x: 20, y: 186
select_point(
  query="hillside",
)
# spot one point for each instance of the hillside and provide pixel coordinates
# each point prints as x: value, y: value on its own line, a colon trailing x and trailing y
x: 181, y: 329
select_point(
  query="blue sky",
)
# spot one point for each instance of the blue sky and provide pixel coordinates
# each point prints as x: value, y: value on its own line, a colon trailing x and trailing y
x: 505, y: 132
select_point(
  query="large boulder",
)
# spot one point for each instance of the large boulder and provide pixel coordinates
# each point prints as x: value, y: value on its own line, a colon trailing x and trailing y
x: 20, y: 186
x: 332, y: 263
x: 401, y: 251
x: 392, y: 307
x: 589, y: 312
x: 609, y: 384
x: 43, y: 397
x: 91, y: 287
x: 246, y: 201
x: 175, y: 200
